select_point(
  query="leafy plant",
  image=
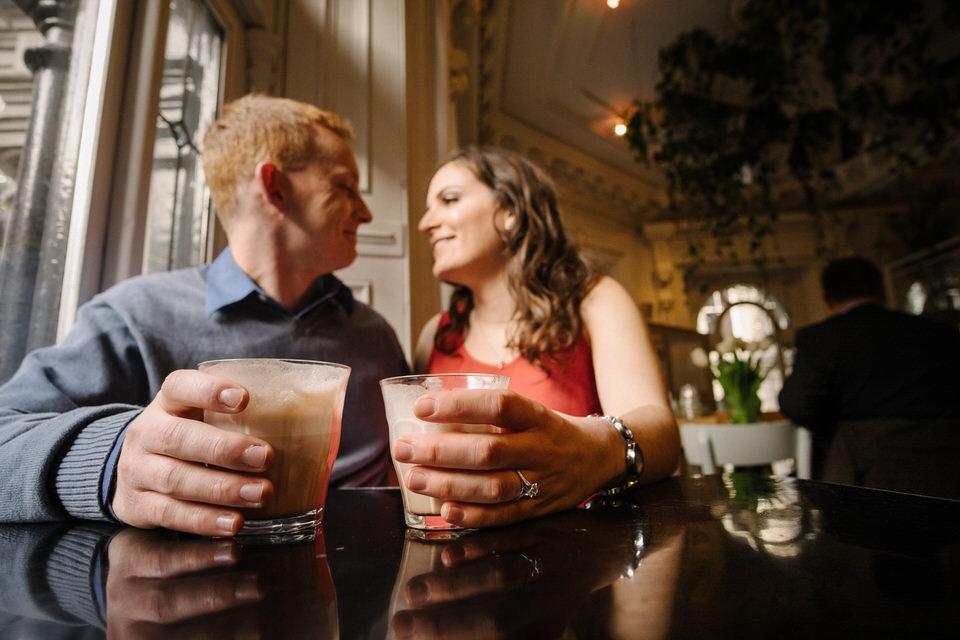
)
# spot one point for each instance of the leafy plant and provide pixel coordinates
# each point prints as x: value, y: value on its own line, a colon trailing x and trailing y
x: 749, y: 125
x: 738, y: 367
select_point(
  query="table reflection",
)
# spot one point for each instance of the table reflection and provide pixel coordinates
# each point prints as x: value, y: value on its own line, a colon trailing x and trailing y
x: 765, y: 513
x: 160, y: 584
x: 133, y: 583
x: 725, y: 556
x: 543, y: 578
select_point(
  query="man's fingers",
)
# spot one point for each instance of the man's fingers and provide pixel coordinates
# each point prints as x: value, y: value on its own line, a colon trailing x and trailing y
x: 194, y: 483
x: 196, y: 441
x: 186, y: 390
x: 147, y: 509
x: 174, y: 470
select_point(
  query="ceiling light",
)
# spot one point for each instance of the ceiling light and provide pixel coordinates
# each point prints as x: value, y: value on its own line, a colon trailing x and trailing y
x: 620, y: 128
x: 613, y: 4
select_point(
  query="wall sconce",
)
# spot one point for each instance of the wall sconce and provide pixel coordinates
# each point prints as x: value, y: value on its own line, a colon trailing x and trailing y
x: 620, y: 129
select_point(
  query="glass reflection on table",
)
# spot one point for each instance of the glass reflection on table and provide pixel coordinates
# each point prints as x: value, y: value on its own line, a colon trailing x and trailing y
x: 540, y: 578
x: 160, y: 584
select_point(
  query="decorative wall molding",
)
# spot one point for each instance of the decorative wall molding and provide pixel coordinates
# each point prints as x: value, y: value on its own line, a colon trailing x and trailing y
x: 592, y: 184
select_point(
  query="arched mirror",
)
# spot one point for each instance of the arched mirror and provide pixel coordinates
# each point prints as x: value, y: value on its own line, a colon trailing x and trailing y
x: 751, y: 314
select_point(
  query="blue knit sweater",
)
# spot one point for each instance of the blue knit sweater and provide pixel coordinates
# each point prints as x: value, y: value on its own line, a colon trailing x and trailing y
x: 64, y: 410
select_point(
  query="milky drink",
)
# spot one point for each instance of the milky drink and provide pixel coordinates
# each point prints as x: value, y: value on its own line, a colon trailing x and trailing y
x: 296, y: 408
x: 417, y: 502
x: 399, y: 396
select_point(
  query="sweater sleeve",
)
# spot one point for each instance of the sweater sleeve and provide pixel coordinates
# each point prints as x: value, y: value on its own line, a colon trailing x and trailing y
x: 60, y: 416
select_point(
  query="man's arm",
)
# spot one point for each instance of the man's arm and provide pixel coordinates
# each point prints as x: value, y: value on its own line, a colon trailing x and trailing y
x: 61, y: 414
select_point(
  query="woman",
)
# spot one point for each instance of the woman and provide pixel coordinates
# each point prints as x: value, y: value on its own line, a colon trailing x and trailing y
x: 526, y: 304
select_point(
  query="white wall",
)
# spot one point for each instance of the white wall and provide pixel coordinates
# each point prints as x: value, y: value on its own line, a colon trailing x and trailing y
x: 348, y: 56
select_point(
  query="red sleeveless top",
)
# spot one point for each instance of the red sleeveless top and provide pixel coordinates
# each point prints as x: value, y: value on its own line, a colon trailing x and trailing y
x: 569, y: 388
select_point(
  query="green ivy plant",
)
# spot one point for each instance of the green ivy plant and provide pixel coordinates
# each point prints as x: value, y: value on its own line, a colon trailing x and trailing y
x: 801, y: 87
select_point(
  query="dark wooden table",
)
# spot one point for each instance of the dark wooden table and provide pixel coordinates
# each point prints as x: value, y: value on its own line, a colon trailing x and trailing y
x: 731, y: 556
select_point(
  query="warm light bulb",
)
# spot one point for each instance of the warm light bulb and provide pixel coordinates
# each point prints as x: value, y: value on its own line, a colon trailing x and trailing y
x: 613, y: 4
x: 620, y: 128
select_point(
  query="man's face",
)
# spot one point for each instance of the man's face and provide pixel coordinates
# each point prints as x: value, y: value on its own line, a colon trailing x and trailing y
x: 325, y: 206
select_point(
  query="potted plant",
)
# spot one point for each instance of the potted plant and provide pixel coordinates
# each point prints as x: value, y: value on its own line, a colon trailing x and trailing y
x: 738, y: 367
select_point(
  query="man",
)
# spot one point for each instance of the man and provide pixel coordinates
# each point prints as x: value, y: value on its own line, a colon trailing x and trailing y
x: 109, y: 423
x: 867, y: 362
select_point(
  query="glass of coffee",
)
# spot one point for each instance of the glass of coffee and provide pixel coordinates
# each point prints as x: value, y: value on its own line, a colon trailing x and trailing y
x: 399, y: 395
x: 296, y: 406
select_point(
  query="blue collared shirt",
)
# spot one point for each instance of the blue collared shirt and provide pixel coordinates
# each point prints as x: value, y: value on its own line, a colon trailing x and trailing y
x: 228, y: 284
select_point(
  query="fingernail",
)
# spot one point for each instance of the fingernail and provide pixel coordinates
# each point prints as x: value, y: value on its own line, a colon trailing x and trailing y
x: 252, y: 492
x: 425, y: 407
x: 226, y: 553
x: 402, y: 450
x: 228, y: 525
x: 248, y: 589
x: 416, y: 481
x: 231, y: 397
x: 417, y: 593
x: 453, y: 515
x: 452, y: 555
x: 255, y: 456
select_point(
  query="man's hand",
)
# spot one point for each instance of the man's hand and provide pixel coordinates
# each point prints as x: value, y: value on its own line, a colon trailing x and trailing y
x: 174, y: 471
x: 474, y: 473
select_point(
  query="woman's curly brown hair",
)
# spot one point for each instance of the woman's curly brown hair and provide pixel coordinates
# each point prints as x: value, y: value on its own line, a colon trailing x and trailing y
x: 546, y: 274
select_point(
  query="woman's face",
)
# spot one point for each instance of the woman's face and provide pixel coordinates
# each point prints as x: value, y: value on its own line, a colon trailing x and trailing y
x: 462, y: 221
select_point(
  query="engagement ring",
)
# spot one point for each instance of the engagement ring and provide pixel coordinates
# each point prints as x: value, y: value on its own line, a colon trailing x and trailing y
x: 527, y: 489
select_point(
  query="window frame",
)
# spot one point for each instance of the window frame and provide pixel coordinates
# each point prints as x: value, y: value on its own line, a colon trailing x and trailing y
x: 109, y: 211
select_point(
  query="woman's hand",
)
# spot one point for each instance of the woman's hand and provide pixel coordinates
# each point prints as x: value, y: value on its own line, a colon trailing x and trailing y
x: 569, y: 458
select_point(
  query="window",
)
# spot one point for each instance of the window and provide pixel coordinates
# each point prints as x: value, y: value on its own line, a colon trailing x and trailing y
x: 179, y: 225
x: 121, y: 123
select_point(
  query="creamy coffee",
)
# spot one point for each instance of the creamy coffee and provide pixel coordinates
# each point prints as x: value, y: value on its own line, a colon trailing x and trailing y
x: 295, y: 406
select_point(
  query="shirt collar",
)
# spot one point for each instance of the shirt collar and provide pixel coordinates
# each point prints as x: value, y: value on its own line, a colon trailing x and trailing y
x: 227, y: 284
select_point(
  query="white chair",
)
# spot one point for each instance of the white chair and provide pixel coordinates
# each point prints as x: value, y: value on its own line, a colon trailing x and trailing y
x: 713, y: 445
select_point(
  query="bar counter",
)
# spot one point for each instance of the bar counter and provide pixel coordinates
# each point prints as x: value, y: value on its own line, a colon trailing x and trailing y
x: 722, y: 556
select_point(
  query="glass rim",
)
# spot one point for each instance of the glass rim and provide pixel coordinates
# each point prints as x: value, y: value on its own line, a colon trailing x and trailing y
x: 420, y: 376
x: 262, y: 360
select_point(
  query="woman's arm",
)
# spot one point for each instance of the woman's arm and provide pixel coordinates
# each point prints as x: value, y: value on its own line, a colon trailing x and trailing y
x: 570, y: 457
x: 628, y: 376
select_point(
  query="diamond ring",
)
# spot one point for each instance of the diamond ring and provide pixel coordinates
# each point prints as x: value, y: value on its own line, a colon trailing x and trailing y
x: 527, y: 489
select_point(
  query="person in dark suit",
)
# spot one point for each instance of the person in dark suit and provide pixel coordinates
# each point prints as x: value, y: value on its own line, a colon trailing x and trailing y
x: 867, y: 363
